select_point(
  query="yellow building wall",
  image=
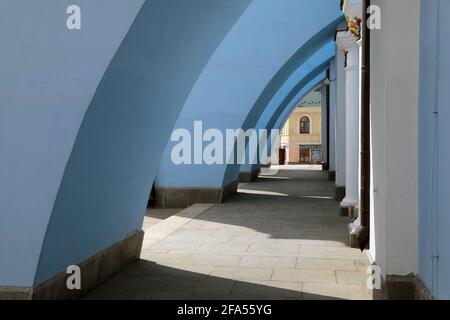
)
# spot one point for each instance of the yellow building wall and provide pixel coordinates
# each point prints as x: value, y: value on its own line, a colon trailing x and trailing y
x: 291, y: 137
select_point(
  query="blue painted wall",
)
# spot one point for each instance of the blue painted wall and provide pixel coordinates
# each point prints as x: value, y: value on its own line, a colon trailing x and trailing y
x: 48, y: 76
x: 434, y: 175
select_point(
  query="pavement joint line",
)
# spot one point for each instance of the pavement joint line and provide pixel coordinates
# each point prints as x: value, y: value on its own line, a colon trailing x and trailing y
x: 160, y: 231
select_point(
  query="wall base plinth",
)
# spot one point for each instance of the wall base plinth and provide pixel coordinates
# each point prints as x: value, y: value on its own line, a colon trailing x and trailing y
x: 422, y: 293
x: 347, y: 211
x: 352, y: 239
x: 408, y: 287
x: 343, y: 211
x: 332, y: 176
x: 94, y: 271
x: 248, y: 176
x: 184, y: 197
x: 348, y: 207
x: 340, y: 193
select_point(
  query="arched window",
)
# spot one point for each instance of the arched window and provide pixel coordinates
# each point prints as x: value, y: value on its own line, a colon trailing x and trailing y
x: 305, y: 125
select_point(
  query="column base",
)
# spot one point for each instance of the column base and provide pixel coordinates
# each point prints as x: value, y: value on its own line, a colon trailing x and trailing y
x: 347, y: 209
x: 185, y: 197
x: 353, y: 240
x: 340, y: 193
x: 94, y: 271
x: 408, y: 287
x: 343, y: 211
x: 332, y: 176
x: 248, y: 176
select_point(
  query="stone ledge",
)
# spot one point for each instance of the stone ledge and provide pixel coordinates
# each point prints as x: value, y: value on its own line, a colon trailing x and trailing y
x: 184, y: 197
x: 94, y: 271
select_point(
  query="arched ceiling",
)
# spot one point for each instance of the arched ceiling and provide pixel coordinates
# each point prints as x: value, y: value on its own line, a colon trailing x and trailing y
x: 269, y: 43
x: 217, y: 61
x: 92, y: 110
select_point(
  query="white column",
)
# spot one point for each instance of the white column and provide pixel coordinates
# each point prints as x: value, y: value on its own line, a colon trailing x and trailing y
x: 352, y: 9
x: 395, y: 74
x: 324, y: 125
x: 346, y: 41
x: 340, y: 119
x: 332, y: 120
x: 357, y: 222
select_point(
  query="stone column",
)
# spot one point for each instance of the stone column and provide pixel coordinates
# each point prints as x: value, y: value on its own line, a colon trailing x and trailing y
x: 347, y: 42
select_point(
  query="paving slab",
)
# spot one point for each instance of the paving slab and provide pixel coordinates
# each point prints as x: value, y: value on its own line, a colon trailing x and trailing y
x: 280, y: 237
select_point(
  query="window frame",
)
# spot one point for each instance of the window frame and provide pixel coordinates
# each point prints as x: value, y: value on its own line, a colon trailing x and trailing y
x: 300, y: 120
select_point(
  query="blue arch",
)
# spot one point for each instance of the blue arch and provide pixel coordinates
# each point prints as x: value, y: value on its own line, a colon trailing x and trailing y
x: 289, y: 102
x: 276, y: 119
x: 314, y: 83
x: 245, y: 73
x: 104, y: 190
x: 293, y: 85
x: 49, y: 76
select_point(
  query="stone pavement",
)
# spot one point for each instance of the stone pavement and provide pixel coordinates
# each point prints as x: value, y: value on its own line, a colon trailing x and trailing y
x: 279, y: 238
x: 155, y: 216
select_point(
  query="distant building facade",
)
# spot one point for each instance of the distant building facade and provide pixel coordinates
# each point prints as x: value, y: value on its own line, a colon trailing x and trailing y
x: 301, y: 136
